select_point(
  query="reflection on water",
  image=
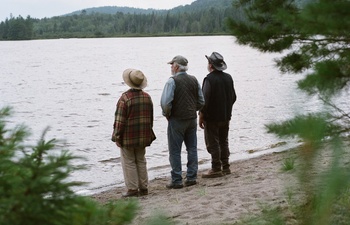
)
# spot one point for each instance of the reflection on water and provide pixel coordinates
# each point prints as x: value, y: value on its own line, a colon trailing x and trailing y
x: 72, y: 85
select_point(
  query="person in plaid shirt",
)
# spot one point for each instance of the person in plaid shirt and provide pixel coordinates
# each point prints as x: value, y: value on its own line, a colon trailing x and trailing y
x: 132, y: 132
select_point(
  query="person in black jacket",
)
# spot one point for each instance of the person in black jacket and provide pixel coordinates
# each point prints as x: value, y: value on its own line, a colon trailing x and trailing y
x: 214, y: 117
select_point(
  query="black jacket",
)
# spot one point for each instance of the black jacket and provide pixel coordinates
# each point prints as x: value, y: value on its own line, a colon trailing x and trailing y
x: 220, y: 95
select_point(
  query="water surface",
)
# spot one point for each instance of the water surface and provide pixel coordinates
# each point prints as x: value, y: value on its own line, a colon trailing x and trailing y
x: 72, y: 86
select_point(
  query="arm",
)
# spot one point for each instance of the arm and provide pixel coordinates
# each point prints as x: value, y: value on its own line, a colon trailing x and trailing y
x: 119, y: 123
x: 234, y: 96
x: 206, y: 93
x: 200, y: 101
x: 167, y: 97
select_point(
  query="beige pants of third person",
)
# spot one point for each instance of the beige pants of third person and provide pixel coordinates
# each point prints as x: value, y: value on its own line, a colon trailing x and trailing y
x: 134, y: 168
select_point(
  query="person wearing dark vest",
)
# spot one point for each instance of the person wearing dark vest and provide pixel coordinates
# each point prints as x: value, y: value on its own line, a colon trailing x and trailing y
x: 214, y: 117
x: 182, y: 97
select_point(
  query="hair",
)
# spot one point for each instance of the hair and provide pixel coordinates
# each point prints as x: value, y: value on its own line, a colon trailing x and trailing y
x: 182, y: 68
x: 213, y: 67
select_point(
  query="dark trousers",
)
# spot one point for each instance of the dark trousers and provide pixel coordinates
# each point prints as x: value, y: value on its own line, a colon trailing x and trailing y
x: 216, y: 140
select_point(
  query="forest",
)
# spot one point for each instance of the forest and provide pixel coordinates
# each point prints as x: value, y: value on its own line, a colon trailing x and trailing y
x: 202, y: 17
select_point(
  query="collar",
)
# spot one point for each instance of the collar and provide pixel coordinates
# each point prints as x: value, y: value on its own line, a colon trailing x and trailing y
x: 180, y: 73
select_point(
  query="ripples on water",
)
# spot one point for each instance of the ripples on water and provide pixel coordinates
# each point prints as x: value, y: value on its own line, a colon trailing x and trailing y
x: 72, y: 85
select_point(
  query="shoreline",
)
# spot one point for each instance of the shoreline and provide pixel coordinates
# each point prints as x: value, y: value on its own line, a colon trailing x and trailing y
x: 204, y: 165
x: 216, y: 200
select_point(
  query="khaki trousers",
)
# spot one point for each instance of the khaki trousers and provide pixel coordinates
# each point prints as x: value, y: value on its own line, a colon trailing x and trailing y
x: 134, y: 168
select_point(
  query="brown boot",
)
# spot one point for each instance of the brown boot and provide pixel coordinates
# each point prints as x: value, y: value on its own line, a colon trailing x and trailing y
x: 212, y: 174
x: 226, y: 171
x: 131, y: 193
x: 143, y: 192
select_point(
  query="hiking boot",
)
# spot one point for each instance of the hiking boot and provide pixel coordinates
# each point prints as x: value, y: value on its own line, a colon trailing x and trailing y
x: 143, y: 192
x: 212, y: 174
x: 130, y: 193
x: 226, y: 171
x: 174, y: 186
x: 190, y: 183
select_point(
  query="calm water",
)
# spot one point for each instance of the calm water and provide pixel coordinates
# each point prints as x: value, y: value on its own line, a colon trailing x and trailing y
x: 72, y: 85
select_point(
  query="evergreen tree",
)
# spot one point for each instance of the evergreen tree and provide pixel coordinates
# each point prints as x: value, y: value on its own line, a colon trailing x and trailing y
x: 34, y: 185
x: 317, y: 40
x: 314, y: 37
x: 17, y: 29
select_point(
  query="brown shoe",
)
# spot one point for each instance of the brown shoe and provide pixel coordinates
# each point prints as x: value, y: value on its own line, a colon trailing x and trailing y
x: 212, y: 174
x: 226, y: 171
x: 130, y: 193
x: 143, y: 192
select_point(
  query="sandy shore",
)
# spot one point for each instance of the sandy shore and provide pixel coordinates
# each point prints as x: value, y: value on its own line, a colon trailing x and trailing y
x: 221, y: 200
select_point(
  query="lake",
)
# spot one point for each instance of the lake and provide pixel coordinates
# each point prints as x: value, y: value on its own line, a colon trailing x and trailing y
x: 72, y: 86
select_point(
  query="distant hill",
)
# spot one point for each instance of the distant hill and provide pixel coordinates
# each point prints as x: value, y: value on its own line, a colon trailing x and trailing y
x: 113, y: 10
x: 202, y: 17
x: 200, y: 5
x: 194, y: 6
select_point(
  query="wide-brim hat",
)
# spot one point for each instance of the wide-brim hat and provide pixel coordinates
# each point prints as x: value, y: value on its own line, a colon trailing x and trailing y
x: 134, y: 78
x: 217, y: 60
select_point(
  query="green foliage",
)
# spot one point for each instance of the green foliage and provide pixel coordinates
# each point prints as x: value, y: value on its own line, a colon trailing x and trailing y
x: 17, y: 29
x: 324, y: 191
x: 314, y: 39
x: 159, y: 218
x: 35, y: 187
x: 327, y: 79
x: 288, y: 164
x: 269, y: 216
x: 314, y: 34
x: 311, y: 127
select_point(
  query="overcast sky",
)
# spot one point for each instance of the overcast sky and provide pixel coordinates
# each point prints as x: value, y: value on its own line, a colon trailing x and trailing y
x: 48, y: 8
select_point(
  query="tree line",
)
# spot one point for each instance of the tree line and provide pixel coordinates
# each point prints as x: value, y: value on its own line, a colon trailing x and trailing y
x: 17, y: 28
x: 207, y: 21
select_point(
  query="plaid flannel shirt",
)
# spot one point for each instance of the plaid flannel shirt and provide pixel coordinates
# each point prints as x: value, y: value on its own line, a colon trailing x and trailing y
x: 134, y: 119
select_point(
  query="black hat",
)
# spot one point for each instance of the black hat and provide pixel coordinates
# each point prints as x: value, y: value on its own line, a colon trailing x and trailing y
x: 217, y: 61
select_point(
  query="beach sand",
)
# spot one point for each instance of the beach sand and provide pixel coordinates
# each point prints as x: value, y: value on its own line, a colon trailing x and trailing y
x: 224, y: 200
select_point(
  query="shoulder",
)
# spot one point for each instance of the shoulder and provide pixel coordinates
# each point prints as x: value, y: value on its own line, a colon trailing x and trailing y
x: 171, y: 80
x: 194, y: 78
x: 145, y: 94
x: 125, y: 94
x: 228, y: 76
x: 210, y: 76
x: 131, y: 93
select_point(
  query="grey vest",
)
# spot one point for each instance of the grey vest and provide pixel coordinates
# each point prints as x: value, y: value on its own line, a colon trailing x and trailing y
x: 184, y: 105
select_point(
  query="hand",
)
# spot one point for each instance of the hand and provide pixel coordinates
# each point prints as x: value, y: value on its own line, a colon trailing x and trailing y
x: 113, y: 138
x: 201, y: 120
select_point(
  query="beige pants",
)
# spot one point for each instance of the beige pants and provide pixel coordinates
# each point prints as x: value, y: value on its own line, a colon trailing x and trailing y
x: 134, y: 168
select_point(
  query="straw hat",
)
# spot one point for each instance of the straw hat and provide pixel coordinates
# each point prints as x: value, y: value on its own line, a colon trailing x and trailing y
x: 134, y: 78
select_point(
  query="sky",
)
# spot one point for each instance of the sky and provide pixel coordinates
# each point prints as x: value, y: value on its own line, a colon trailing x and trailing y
x: 49, y: 8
